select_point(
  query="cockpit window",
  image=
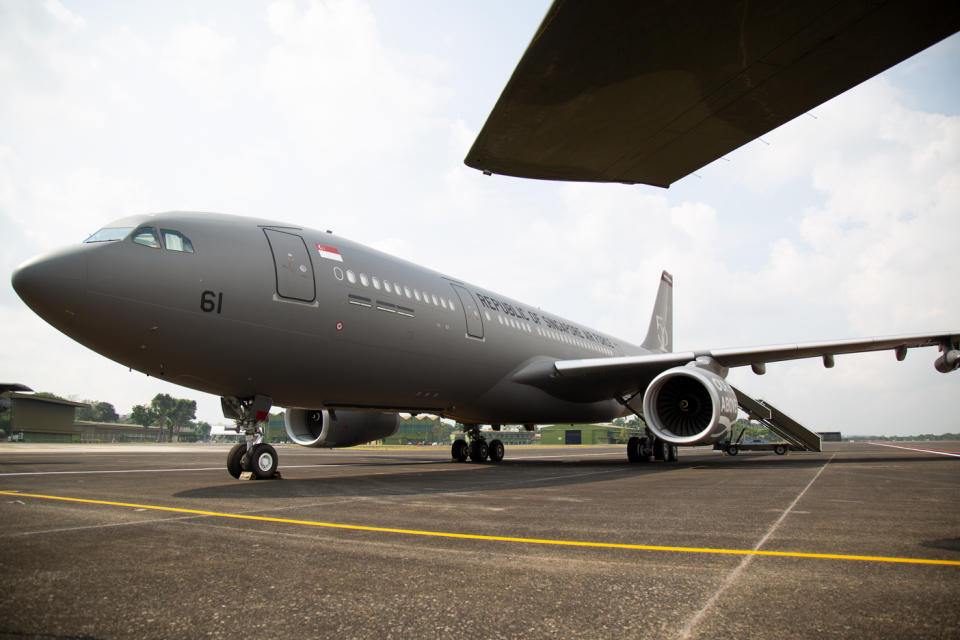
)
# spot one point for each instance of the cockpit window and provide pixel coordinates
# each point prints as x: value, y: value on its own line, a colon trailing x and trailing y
x: 176, y: 241
x: 146, y: 236
x: 109, y: 234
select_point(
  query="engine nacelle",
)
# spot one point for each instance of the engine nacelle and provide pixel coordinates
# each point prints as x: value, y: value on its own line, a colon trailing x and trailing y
x: 323, y: 428
x: 948, y: 362
x: 689, y: 406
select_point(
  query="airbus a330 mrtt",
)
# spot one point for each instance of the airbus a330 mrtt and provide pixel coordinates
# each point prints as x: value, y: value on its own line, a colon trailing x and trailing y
x: 265, y: 313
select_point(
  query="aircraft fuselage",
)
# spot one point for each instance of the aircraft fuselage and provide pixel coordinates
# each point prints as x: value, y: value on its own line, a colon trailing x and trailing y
x: 308, y: 318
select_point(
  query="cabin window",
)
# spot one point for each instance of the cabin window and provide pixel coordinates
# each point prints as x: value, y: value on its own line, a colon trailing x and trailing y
x: 109, y: 234
x: 338, y: 273
x: 376, y: 282
x: 416, y: 294
x: 363, y: 280
x: 146, y: 236
x: 386, y: 286
x: 176, y: 241
x: 351, y: 277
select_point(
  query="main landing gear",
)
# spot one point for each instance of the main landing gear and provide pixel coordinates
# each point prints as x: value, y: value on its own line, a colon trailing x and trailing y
x: 478, y: 449
x: 253, y: 455
x: 650, y: 446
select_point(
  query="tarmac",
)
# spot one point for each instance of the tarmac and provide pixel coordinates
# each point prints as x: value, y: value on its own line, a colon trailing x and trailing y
x: 122, y: 541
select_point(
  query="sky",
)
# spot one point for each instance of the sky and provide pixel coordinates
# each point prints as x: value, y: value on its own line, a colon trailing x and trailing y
x: 356, y: 116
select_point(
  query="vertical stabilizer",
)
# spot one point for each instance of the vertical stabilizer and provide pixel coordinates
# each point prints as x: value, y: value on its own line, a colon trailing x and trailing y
x: 660, y: 334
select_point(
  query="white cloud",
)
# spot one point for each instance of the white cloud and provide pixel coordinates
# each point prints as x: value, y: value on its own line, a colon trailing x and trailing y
x: 64, y: 15
x: 195, y: 55
x: 352, y: 97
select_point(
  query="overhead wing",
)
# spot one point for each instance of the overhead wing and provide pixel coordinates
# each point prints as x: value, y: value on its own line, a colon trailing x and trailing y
x: 598, y: 378
x: 626, y: 91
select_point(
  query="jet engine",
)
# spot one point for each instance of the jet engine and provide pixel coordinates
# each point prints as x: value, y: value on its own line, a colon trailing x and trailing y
x: 689, y: 406
x: 323, y: 428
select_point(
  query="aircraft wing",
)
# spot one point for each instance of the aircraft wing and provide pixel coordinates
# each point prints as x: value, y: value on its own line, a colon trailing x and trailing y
x: 648, y: 92
x: 598, y: 378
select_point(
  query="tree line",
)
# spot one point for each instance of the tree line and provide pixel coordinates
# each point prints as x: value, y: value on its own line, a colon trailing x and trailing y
x: 171, y: 415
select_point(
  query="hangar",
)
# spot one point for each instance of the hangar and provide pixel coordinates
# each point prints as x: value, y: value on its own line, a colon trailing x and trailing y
x: 39, y: 419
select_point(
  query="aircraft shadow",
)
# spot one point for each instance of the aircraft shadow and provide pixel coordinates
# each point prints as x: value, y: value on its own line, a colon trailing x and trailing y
x: 385, y: 479
x: 401, y: 478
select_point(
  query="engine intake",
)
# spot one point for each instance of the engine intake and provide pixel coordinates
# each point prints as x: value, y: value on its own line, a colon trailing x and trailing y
x: 323, y: 428
x: 689, y: 405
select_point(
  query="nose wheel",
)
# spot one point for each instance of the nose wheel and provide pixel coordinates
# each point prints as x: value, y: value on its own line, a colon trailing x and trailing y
x: 262, y: 461
x: 253, y: 456
x: 235, y: 459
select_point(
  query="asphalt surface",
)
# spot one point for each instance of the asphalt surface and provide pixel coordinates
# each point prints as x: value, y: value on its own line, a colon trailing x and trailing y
x: 140, y: 561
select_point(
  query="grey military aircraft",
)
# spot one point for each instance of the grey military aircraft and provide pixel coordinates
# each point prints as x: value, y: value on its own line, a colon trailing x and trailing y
x: 346, y: 337
x: 265, y: 313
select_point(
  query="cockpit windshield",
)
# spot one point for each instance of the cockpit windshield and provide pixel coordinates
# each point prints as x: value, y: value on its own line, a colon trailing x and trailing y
x: 109, y: 234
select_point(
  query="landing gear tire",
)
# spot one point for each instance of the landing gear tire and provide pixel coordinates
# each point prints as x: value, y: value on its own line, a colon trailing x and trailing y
x: 263, y: 461
x: 496, y: 450
x: 732, y: 449
x: 234, y: 459
x: 671, y: 452
x: 479, y: 450
x: 637, y: 450
x: 779, y: 449
x: 459, y: 451
x: 659, y: 450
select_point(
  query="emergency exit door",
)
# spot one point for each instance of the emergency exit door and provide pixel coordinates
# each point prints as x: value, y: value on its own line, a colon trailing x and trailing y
x: 293, y: 266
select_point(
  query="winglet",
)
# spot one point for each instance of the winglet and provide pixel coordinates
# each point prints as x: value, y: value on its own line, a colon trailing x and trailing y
x: 660, y: 334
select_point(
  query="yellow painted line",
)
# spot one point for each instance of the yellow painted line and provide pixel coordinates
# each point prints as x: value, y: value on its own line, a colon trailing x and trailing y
x: 472, y: 536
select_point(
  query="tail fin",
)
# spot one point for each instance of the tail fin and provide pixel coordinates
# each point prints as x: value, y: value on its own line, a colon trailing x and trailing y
x: 660, y: 334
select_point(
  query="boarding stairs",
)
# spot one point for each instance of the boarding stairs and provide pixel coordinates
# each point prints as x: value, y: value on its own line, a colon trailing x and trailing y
x: 780, y: 423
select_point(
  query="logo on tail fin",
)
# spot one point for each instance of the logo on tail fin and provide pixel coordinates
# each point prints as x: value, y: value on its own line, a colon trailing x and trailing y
x: 663, y: 334
x: 660, y: 331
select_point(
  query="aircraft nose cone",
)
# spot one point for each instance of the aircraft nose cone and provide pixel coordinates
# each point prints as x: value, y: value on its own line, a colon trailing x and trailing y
x: 54, y: 285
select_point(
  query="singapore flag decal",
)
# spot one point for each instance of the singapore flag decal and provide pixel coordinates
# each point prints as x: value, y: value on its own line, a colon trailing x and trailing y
x: 329, y: 253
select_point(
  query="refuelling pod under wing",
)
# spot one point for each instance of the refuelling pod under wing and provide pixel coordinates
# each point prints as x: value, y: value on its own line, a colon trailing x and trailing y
x: 329, y: 429
x: 689, y: 406
x: 948, y: 361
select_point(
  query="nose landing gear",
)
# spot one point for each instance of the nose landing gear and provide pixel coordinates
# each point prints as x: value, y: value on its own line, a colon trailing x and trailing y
x: 253, y: 456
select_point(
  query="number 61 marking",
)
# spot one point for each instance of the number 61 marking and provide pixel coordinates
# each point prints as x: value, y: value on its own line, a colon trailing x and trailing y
x: 211, y: 301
